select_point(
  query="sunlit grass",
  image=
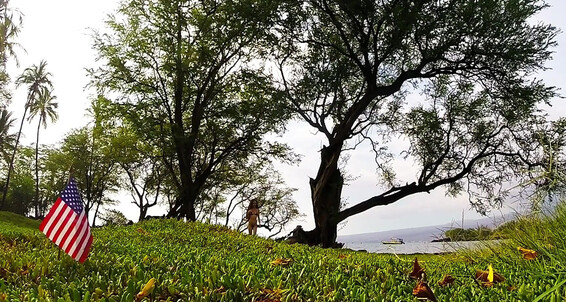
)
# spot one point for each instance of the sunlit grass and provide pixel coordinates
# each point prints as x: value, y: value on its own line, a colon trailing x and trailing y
x: 199, y: 262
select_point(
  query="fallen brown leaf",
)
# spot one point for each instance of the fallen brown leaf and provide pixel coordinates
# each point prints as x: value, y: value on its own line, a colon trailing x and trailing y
x: 447, y: 280
x: 417, y: 272
x: 142, y: 231
x: 422, y: 291
x: 483, y: 276
x: 527, y: 254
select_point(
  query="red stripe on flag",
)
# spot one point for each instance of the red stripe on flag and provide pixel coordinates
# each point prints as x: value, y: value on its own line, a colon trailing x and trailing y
x: 57, y: 216
x: 47, y: 222
x: 63, y: 241
x: 79, y: 239
x: 47, y: 219
x: 66, y: 231
x: 86, y: 249
x: 83, y: 245
x: 65, y: 217
x: 71, y: 237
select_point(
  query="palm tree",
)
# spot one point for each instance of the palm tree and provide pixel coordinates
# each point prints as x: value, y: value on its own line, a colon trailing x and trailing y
x: 10, y: 22
x: 9, y: 29
x: 36, y: 77
x: 45, y: 108
x: 6, y: 139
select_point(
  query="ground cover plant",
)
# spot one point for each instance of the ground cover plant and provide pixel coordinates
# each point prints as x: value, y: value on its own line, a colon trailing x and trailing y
x: 170, y: 260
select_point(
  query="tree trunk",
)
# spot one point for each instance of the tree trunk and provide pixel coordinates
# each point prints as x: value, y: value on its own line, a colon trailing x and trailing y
x: 184, y: 205
x: 37, y: 170
x: 95, y: 215
x: 326, y: 190
x: 143, y: 213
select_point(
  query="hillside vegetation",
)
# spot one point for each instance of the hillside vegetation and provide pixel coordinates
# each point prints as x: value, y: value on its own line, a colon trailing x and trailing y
x: 199, y: 262
x: 14, y: 225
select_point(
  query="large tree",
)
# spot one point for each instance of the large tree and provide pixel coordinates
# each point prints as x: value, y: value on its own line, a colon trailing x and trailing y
x: 190, y: 72
x: 454, y: 80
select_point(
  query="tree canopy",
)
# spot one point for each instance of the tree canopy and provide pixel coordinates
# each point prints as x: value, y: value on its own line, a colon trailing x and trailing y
x: 189, y: 79
x: 455, y: 79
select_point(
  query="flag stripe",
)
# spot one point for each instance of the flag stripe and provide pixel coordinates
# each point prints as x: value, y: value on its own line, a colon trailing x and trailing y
x: 53, y: 214
x: 63, y: 220
x: 81, y: 256
x: 47, y: 219
x: 87, y: 249
x: 78, y: 238
x: 56, y: 218
x: 83, y: 227
x: 66, y: 231
x: 67, y: 225
x: 71, y: 234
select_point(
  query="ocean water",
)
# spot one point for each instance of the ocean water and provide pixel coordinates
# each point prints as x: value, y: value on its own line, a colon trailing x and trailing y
x: 414, y: 247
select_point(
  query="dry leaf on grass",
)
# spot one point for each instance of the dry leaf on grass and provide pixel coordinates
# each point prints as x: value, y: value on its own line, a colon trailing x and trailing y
x: 417, y: 272
x: 281, y: 262
x: 146, y: 289
x: 422, y: 291
x: 447, y: 280
x: 489, y: 277
x: 527, y: 254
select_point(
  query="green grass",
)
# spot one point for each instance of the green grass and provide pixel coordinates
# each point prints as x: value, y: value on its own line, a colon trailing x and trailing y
x: 15, y: 225
x: 199, y: 262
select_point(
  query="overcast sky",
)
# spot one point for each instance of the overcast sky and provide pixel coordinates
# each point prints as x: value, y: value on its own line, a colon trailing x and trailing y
x: 59, y: 32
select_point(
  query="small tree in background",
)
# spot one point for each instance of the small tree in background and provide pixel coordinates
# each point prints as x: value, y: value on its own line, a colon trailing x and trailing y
x: 20, y: 198
x: 114, y: 218
x: 226, y: 201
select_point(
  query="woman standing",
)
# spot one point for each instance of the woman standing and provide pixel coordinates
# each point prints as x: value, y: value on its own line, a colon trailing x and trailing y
x: 253, y: 217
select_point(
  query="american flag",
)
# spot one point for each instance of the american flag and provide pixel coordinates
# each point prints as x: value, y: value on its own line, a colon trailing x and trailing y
x: 66, y: 224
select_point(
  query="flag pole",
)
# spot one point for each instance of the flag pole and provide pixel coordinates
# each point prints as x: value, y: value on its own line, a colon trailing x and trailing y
x: 68, y: 181
x: 71, y: 170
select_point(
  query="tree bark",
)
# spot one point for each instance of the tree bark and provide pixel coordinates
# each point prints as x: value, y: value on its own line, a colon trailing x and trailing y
x: 37, y: 169
x: 95, y: 215
x: 326, y: 190
x: 143, y: 213
x: 184, y: 205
